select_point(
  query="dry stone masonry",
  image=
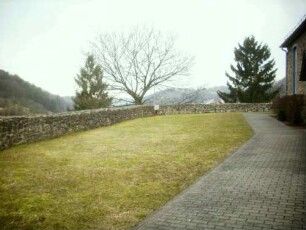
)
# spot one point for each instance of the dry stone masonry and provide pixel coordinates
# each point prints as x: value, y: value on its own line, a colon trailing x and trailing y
x: 19, y: 130
x: 215, y: 108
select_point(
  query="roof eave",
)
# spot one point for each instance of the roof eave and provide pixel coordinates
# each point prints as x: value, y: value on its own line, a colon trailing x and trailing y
x: 296, y: 33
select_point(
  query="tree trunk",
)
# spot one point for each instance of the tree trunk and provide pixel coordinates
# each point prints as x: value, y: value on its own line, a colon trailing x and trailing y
x: 138, y: 100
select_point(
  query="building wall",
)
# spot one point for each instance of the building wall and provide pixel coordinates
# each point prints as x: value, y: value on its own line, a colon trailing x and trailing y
x: 19, y: 130
x: 300, y: 43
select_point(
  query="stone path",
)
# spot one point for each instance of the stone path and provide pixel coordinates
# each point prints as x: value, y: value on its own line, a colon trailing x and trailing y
x: 261, y: 186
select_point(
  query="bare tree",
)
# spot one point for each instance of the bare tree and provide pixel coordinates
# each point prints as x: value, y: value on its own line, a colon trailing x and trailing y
x: 140, y: 60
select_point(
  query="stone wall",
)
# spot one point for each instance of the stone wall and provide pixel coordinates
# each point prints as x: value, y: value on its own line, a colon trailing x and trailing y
x: 19, y: 130
x: 304, y: 110
x: 214, y: 108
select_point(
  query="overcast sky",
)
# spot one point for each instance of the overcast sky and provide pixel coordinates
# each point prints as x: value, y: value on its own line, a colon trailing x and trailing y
x: 44, y: 41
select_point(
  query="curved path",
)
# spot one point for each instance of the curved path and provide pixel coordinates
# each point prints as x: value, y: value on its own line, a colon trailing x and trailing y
x: 261, y: 186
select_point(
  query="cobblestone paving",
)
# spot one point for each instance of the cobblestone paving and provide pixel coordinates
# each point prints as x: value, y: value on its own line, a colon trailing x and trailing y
x: 261, y: 186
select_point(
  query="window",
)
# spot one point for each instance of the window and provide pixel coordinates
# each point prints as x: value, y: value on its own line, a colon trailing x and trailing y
x: 303, y: 69
x: 294, y: 70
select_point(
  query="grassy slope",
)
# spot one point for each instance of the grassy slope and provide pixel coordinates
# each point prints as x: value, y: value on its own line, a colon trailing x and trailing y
x: 112, y: 177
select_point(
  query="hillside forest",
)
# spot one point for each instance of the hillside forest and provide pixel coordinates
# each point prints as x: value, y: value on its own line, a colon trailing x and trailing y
x: 19, y: 97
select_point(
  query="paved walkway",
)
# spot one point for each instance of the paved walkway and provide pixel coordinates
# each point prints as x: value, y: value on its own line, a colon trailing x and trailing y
x: 261, y: 186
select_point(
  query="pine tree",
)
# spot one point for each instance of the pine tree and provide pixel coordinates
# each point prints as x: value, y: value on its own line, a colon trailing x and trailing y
x: 254, y: 74
x: 92, y: 90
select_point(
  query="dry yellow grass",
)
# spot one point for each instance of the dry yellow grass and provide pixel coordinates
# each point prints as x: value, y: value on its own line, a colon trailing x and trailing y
x: 112, y: 177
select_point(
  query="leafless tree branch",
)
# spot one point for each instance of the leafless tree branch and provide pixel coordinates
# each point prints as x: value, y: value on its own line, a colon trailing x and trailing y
x: 137, y: 61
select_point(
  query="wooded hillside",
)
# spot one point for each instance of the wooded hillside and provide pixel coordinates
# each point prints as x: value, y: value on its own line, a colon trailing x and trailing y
x: 19, y: 97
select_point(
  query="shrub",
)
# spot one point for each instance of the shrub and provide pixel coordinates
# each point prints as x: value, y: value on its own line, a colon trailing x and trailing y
x: 289, y: 108
x: 281, y: 115
x: 14, y: 110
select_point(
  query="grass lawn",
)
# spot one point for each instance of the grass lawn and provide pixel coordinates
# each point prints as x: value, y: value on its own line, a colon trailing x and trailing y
x: 112, y: 177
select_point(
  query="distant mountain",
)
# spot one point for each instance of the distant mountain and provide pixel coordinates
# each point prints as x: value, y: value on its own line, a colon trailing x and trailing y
x: 19, y: 97
x: 68, y: 101
x: 186, y: 96
x: 195, y: 96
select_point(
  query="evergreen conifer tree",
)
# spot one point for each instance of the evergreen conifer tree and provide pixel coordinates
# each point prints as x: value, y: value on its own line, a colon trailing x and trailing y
x: 254, y: 74
x: 91, y: 93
